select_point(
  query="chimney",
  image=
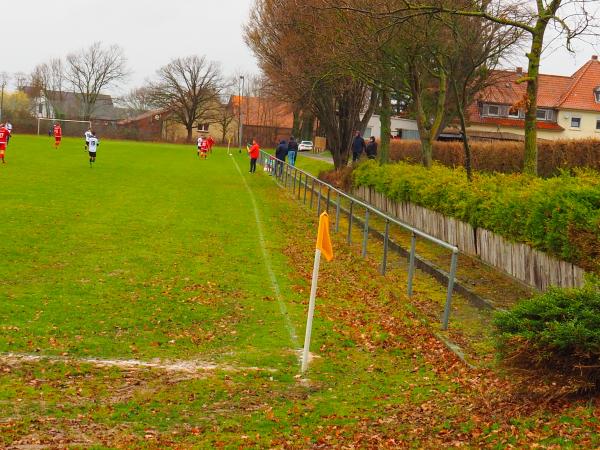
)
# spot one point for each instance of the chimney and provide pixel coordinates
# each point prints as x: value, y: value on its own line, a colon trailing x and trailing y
x: 519, y: 70
x: 594, y: 57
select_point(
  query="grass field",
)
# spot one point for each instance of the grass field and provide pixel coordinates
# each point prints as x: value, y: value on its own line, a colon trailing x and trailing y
x: 158, y: 301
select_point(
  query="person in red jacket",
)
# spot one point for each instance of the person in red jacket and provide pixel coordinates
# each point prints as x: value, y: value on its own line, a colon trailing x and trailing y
x: 254, y: 152
x: 57, y: 135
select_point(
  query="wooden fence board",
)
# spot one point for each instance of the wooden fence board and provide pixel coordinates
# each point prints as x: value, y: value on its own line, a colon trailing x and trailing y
x: 519, y: 260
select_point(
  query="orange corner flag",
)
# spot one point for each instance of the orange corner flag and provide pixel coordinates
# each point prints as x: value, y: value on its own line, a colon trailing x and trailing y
x: 323, y: 238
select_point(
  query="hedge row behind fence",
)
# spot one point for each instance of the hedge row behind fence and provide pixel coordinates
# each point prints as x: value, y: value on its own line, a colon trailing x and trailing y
x: 559, y: 216
x: 506, y: 157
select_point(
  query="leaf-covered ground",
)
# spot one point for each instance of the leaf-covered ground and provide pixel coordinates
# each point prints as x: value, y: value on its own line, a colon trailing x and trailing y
x: 154, y: 257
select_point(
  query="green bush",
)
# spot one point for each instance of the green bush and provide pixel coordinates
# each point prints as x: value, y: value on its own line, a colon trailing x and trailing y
x: 505, y: 156
x: 560, y: 215
x: 558, y: 331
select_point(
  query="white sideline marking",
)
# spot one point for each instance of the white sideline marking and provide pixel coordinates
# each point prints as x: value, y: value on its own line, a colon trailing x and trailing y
x: 191, y: 366
x: 267, y: 259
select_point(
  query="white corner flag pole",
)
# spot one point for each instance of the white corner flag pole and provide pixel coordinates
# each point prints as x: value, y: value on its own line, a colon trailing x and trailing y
x: 229, y: 146
x: 311, y: 310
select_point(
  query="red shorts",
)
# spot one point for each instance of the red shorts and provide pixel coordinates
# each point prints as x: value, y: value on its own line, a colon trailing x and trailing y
x: 57, y: 139
x: 2, y: 146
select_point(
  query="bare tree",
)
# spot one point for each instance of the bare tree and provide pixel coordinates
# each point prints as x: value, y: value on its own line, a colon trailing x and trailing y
x: 48, y: 79
x: 20, y: 80
x: 190, y: 88
x: 225, y: 117
x: 281, y: 34
x: 571, y: 18
x: 137, y: 101
x: 93, y: 69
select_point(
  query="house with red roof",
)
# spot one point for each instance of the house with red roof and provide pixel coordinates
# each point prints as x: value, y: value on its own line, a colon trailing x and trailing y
x: 568, y: 107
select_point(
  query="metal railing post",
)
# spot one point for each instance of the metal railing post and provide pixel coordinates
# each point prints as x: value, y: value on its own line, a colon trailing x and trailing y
x: 386, y: 241
x: 328, y: 198
x: 365, y: 234
x: 350, y: 217
x: 294, y: 182
x: 337, y: 213
x: 453, y: 265
x: 411, y: 263
x: 312, y: 192
x: 319, y: 201
x: 305, y: 187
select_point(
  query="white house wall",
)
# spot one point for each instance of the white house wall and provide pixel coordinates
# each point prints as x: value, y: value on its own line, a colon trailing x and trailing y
x: 406, y: 125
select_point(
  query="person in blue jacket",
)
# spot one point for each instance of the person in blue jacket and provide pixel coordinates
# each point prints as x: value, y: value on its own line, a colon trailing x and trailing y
x: 358, y: 146
x: 280, y: 154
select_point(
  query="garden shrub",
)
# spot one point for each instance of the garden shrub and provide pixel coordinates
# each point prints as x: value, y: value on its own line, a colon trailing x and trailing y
x: 557, y: 332
x: 560, y: 215
x: 506, y: 156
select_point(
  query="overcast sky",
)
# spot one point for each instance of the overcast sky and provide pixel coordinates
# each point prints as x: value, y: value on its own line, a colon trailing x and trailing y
x: 152, y: 32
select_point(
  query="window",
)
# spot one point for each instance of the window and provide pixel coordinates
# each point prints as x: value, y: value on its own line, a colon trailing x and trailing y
x: 597, y: 124
x: 203, y: 127
x: 493, y: 110
x: 597, y: 94
x: 542, y: 114
x: 514, y: 113
x: 575, y: 122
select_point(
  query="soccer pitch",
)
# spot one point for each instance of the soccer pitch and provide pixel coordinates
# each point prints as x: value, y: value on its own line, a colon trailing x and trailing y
x: 150, y: 253
x: 158, y: 301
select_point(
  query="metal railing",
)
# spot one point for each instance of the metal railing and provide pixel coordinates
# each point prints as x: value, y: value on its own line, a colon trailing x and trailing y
x: 302, y: 183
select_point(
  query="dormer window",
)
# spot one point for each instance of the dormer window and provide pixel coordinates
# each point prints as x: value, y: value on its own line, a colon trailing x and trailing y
x: 597, y: 94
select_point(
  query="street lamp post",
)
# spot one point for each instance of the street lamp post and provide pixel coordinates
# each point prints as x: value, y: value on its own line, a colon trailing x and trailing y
x: 3, y: 82
x: 241, y: 125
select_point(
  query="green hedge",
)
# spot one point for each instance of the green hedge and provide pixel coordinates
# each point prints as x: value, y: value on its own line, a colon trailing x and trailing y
x: 560, y: 215
x: 558, y: 331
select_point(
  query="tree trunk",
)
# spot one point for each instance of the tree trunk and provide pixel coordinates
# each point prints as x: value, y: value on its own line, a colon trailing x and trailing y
x: 308, y: 126
x: 373, y: 100
x: 224, y: 135
x: 386, y: 126
x: 534, y: 56
x: 426, y: 150
x: 298, y: 115
x: 460, y: 109
x: 190, y: 130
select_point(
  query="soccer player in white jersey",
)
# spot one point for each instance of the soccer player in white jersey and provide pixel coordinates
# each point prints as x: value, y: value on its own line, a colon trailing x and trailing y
x: 9, y: 127
x: 88, y: 135
x: 200, y: 142
x: 93, y: 144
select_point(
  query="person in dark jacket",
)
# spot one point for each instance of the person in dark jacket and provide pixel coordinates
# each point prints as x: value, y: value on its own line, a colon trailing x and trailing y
x: 292, y: 151
x: 280, y: 154
x: 372, y: 148
x: 358, y: 146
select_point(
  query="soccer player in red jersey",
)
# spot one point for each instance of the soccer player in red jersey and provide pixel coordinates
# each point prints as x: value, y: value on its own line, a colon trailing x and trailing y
x: 211, y: 142
x: 4, y: 134
x: 57, y: 135
x: 204, y: 147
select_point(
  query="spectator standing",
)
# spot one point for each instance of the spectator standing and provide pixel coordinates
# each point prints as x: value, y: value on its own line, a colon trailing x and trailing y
x: 254, y: 152
x: 372, y: 148
x: 280, y: 153
x: 358, y: 146
x: 292, y: 151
